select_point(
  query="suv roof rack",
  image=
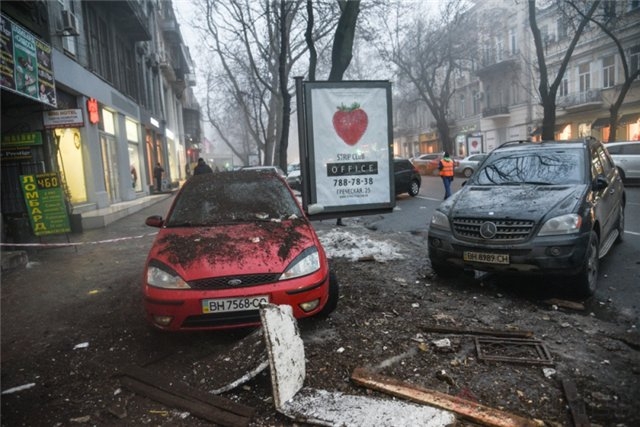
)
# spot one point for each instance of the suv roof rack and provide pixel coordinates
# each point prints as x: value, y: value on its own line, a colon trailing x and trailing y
x: 514, y: 142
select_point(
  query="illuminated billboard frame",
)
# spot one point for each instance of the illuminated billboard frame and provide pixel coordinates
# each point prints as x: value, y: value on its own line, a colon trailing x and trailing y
x: 346, y: 148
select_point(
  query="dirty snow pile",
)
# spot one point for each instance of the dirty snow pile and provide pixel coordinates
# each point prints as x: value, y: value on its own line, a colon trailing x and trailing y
x: 344, y: 244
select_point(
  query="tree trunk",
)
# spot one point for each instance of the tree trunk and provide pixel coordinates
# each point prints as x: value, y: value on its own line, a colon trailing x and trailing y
x: 343, y: 42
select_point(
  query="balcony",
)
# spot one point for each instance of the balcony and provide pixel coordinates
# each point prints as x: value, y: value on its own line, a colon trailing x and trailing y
x: 495, y: 112
x: 580, y: 101
x: 493, y: 63
x: 131, y: 18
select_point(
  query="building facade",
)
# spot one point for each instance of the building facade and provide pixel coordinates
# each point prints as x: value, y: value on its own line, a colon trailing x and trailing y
x: 497, y: 100
x: 96, y: 93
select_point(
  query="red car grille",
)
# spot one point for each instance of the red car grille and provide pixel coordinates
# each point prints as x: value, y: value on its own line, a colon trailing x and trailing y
x: 232, y: 282
x: 222, y: 319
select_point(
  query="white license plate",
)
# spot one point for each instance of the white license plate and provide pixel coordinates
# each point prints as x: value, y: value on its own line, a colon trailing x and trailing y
x: 487, y: 258
x: 226, y: 305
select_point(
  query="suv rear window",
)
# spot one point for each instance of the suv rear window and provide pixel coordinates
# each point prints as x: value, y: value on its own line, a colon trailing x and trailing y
x: 534, y: 167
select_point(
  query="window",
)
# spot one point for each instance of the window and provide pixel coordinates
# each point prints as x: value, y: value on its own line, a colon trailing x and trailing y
x: 634, y: 59
x: 562, y: 29
x: 462, y: 106
x: 563, y: 90
x: 608, y: 71
x: 584, y: 129
x: 476, y: 102
x: 513, y: 44
x: 584, y: 73
x: 499, y: 49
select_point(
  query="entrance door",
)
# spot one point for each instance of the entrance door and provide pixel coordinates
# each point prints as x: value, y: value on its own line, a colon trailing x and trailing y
x: 110, y: 166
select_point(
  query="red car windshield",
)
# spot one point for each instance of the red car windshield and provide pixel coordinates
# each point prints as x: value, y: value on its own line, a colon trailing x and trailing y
x: 231, y: 197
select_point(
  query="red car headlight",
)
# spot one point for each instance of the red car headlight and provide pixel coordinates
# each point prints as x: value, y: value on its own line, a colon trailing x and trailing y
x: 305, y: 263
x: 163, y: 276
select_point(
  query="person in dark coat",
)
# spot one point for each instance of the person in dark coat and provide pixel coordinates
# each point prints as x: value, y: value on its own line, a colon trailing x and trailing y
x: 202, y: 167
x: 157, y: 174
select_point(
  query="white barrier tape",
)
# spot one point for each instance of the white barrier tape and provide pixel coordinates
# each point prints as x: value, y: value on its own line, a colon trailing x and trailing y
x: 119, y: 239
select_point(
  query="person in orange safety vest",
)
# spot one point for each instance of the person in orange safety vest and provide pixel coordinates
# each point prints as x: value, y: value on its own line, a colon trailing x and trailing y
x: 446, y: 173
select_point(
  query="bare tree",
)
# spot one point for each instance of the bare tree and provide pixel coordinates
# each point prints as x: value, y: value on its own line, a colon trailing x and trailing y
x: 427, y: 53
x: 546, y: 88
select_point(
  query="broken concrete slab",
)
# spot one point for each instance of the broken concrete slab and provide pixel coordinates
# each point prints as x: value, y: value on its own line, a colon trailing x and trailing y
x: 285, y: 349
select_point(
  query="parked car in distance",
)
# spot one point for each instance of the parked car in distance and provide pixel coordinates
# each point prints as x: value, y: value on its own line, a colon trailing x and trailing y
x: 547, y: 209
x: 275, y: 169
x: 427, y: 164
x: 626, y: 155
x: 294, y: 179
x: 467, y: 165
x: 230, y: 242
x: 406, y: 177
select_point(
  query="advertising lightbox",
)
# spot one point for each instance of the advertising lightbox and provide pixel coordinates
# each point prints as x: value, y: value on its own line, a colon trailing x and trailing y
x: 347, y: 167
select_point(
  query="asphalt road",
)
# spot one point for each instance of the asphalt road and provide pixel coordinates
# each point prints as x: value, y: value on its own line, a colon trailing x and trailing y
x: 619, y: 279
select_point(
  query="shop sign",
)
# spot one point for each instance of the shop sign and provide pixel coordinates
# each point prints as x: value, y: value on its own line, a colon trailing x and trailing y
x: 92, y: 108
x: 71, y: 118
x: 44, y: 198
x: 26, y: 66
x: 12, y: 154
x: 21, y: 139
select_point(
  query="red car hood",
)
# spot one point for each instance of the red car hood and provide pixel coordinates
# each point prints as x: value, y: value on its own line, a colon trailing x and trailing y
x: 245, y: 248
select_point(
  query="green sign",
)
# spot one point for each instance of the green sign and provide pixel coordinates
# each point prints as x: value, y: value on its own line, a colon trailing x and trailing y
x: 21, y: 139
x: 45, y: 204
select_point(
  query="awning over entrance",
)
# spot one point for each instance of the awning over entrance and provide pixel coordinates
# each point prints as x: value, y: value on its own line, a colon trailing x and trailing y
x: 629, y: 118
x: 536, y: 131
x: 601, y: 122
x: 560, y: 127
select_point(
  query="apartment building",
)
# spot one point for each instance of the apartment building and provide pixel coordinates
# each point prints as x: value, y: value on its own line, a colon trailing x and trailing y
x: 95, y: 93
x: 497, y: 100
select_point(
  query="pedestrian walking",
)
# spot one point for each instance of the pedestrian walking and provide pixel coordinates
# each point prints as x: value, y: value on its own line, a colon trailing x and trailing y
x: 202, y: 167
x: 445, y: 166
x: 157, y: 174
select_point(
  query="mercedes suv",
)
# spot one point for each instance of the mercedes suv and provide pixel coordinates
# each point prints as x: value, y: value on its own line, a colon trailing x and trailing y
x: 550, y: 208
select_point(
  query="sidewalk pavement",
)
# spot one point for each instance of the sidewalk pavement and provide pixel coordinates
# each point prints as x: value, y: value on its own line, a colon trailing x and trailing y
x: 97, y: 225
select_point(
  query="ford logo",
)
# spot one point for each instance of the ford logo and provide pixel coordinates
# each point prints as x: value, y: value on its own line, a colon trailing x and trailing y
x: 234, y: 282
x: 488, y: 230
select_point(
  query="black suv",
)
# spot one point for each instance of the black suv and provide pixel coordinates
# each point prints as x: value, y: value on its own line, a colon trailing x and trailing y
x: 406, y: 177
x: 550, y: 208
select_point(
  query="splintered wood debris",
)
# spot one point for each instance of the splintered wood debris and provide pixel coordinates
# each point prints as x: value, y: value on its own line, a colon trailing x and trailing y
x: 467, y: 409
x: 176, y: 394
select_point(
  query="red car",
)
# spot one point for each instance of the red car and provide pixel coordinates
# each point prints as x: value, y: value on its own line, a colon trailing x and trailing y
x: 231, y: 242
x: 427, y: 164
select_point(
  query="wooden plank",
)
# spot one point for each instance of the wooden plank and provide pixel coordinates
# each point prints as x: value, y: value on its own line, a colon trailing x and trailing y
x: 197, y: 408
x: 177, y: 393
x: 469, y: 410
x: 578, y: 411
x: 565, y: 304
x: 489, y: 332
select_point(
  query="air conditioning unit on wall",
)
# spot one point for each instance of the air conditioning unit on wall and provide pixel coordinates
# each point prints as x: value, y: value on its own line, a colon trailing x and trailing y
x: 69, y: 23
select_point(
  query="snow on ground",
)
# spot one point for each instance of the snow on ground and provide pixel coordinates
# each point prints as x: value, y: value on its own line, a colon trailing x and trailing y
x: 339, y: 243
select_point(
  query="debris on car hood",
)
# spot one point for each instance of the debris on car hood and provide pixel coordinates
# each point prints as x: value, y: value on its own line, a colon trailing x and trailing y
x: 518, y: 201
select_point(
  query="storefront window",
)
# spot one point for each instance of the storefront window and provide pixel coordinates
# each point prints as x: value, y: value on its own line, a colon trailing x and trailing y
x: 134, y: 154
x: 70, y: 164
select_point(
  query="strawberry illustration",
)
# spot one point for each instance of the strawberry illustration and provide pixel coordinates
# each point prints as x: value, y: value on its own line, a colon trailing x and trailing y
x: 350, y: 123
